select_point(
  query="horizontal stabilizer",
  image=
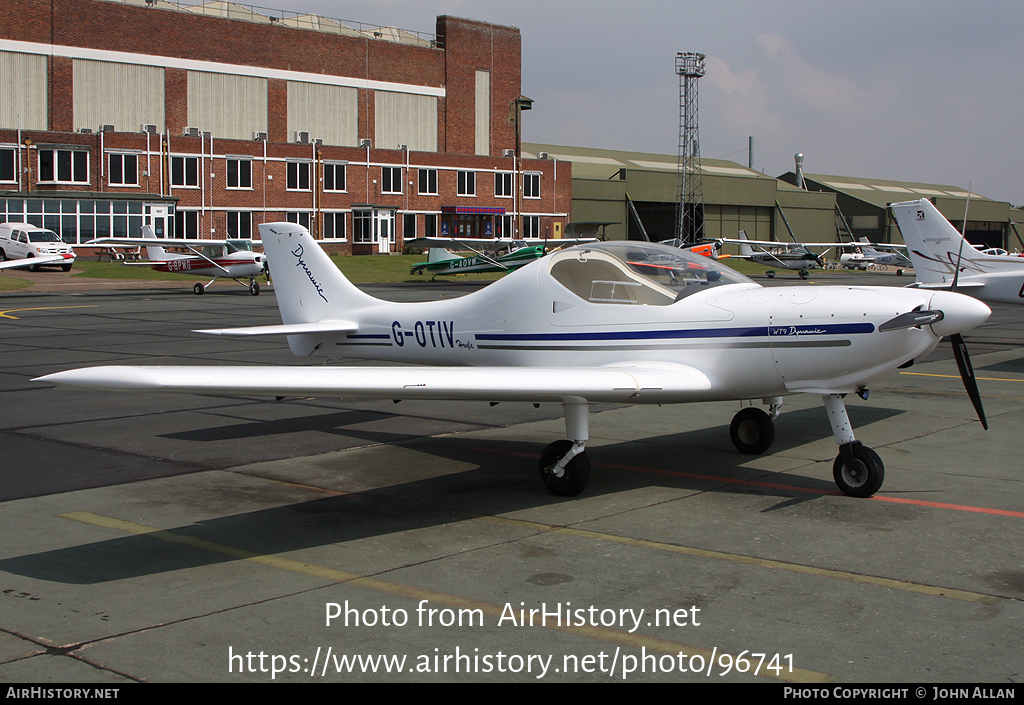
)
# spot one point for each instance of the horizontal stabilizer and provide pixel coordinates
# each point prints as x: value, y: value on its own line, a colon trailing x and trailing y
x: 287, y: 329
x: 624, y: 383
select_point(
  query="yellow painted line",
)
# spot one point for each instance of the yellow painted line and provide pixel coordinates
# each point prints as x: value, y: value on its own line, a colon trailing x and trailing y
x: 3, y: 314
x: 889, y: 583
x: 987, y: 379
x: 798, y: 675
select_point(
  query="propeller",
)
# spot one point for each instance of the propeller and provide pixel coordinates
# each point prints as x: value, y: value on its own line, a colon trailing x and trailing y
x: 963, y: 362
x: 963, y: 359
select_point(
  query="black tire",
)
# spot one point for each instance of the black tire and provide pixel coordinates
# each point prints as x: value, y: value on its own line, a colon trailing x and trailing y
x: 65, y: 267
x: 770, y: 274
x: 804, y: 274
x: 899, y: 272
x: 752, y: 431
x: 32, y: 267
x: 199, y: 289
x: 575, y: 477
x: 254, y: 288
x: 3, y: 256
x: 863, y: 476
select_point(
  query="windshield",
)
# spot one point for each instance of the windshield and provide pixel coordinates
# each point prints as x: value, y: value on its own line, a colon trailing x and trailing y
x: 628, y: 272
x: 43, y: 236
x: 239, y: 246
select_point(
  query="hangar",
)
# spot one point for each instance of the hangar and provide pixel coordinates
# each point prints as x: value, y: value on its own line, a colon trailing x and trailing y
x: 735, y: 197
x: 864, y: 204
x: 206, y: 119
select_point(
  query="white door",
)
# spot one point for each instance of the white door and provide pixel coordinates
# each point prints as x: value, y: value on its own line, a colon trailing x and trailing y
x: 384, y: 230
x: 158, y: 219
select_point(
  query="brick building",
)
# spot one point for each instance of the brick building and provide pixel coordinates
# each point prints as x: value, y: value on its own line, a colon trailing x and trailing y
x: 206, y: 120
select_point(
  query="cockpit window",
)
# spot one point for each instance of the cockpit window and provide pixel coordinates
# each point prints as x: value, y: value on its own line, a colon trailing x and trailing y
x: 239, y: 246
x: 628, y: 272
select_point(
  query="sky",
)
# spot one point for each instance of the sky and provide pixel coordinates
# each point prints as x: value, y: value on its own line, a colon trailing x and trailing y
x: 929, y: 91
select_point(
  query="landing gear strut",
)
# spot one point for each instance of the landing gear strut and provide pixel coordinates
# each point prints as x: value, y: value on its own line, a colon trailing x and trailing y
x: 564, y: 466
x: 857, y: 470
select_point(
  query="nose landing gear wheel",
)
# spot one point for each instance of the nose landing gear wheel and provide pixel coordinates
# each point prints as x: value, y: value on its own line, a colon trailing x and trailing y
x: 254, y: 288
x: 574, y: 477
x: 858, y: 472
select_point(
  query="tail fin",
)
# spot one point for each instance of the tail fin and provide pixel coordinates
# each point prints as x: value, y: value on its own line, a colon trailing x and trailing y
x: 437, y: 254
x: 934, y: 245
x: 308, y: 285
x: 744, y: 249
x: 153, y: 252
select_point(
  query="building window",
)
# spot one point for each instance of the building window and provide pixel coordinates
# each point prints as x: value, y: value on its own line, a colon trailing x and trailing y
x: 64, y: 166
x: 334, y: 226
x: 185, y: 171
x: 298, y: 176
x: 531, y: 226
x: 362, y: 226
x: 300, y: 217
x: 239, y: 173
x: 240, y: 225
x: 467, y: 183
x: 506, y: 226
x: 428, y: 182
x: 124, y: 170
x: 334, y: 178
x: 430, y: 226
x: 391, y: 179
x: 503, y: 184
x: 7, y: 168
x: 186, y: 224
x: 531, y: 185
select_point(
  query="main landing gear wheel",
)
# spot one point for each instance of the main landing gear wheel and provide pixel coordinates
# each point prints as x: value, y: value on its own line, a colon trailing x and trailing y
x: 858, y: 471
x: 804, y: 274
x: 574, y: 477
x: 199, y: 289
x: 254, y: 288
x: 770, y: 274
x: 752, y: 431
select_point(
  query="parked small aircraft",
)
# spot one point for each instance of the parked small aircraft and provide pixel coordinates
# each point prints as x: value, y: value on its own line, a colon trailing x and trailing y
x: 778, y: 255
x: 861, y: 255
x: 606, y: 322
x: 220, y: 259
x: 941, y: 256
x: 506, y: 257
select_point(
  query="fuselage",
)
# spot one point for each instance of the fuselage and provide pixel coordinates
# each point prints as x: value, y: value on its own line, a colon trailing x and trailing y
x: 751, y: 341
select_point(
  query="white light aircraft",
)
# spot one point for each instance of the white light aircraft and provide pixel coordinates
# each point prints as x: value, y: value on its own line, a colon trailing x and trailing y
x: 776, y: 255
x: 942, y: 257
x: 863, y: 253
x: 220, y: 259
x: 610, y: 322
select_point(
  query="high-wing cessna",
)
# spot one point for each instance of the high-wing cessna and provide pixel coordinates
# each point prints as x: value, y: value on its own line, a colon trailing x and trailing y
x: 938, y: 251
x: 506, y: 257
x: 489, y: 255
x: 862, y: 254
x: 777, y: 255
x: 220, y: 259
x: 597, y: 323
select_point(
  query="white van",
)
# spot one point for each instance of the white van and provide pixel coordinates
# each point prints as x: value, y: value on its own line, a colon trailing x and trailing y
x: 21, y: 240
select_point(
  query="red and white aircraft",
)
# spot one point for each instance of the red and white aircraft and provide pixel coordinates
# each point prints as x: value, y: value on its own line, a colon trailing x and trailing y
x: 220, y: 259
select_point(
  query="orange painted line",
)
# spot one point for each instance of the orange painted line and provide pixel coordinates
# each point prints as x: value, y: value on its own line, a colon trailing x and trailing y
x: 782, y: 486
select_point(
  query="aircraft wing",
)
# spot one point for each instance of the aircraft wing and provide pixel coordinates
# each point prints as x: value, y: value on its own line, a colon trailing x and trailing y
x: 287, y: 329
x: 162, y: 242
x: 30, y: 261
x: 476, y: 243
x: 787, y: 245
x: 944, y: 286
x: 619, y: 383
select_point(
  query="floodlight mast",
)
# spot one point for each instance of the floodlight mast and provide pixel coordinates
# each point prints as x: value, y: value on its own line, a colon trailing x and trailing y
x: 690, y: 201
